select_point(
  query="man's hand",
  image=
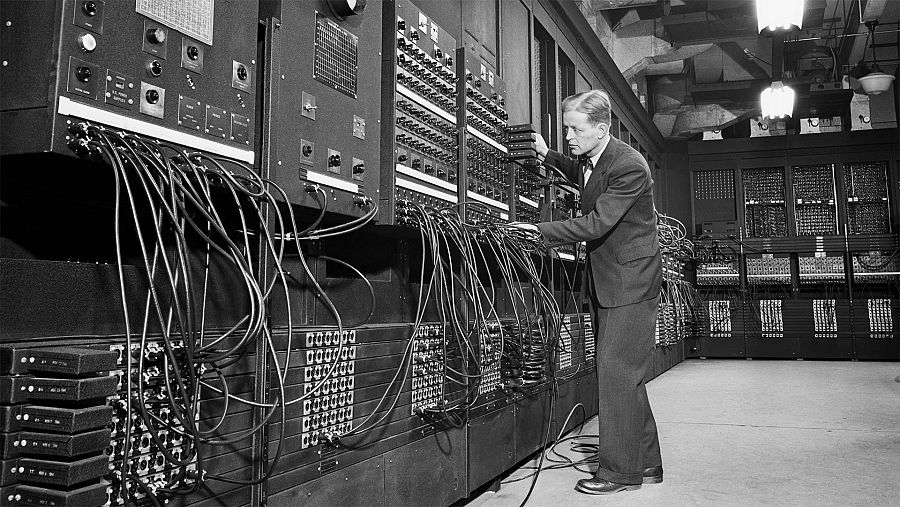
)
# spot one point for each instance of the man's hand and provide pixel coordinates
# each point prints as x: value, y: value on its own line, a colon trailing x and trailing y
x: 540, y: 146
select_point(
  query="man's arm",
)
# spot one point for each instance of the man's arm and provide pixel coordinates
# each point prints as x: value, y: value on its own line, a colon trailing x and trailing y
x: 568, y: 166
x: 627, y: 182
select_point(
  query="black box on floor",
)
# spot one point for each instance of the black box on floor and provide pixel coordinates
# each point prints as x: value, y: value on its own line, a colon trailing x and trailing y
x: 11, y: 417
x: 92, y: 494
x: 20, y: 388
x: 9, y: 471
x: 9, y: 446
x: 13, y: 389
x: 61, y: 473
x: 66, y: 420
x: 89, y: 388
x: 67, y: 446
x: 64, y: 360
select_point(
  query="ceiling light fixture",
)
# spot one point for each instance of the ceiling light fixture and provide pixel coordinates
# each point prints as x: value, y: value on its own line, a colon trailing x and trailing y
x: 873, y: 81
x: 779, y: 14
x: 777, y: 101
x: 774, y: 17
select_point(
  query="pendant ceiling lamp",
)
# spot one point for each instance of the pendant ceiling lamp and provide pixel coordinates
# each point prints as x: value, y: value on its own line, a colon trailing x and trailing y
x: 779, y: 14
x: 777, y: 101
x: 874, y: 81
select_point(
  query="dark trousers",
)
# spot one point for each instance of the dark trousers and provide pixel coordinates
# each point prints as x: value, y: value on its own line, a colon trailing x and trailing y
x: 628, y: 438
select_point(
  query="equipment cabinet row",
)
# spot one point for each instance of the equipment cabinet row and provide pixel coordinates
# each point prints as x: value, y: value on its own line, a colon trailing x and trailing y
x: 383, y: 104
x: 821, y: 328
x: 816, y: 199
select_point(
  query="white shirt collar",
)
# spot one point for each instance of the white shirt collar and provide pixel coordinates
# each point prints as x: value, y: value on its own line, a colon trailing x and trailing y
x: 589, y: 169
x: 604, y: 142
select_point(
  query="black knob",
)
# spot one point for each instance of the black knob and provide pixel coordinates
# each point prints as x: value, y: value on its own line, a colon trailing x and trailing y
x: 334, y: 160
x: 414, y: 35
x: 83, y: 74
x: 152, y: 96
x: 89, y: 8
x: 242, y: 73
x: 193, y: 52
x: 154, y: 68
x: 156, y: 35
x: 401, y: 25
x: 359, y: 168
x: 306, y: 150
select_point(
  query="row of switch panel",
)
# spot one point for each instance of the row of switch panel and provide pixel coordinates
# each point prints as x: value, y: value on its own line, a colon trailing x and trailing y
x: 431, y: 392
x: 325, y: 419
x: 330, y: 354
x: 328, y: 402
x: 332, y: 385
x: 329, y: 338
x: 320, y: 371
x: 422, y: 381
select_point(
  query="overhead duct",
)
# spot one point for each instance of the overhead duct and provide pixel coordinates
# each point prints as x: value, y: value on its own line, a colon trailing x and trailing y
x: 671, y: 62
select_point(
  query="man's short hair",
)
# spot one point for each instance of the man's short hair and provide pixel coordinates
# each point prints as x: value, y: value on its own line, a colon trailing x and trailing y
x: 594, y: 103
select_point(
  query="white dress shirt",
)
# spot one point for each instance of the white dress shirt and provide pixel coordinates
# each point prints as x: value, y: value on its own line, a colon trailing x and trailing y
x: 590, y: 169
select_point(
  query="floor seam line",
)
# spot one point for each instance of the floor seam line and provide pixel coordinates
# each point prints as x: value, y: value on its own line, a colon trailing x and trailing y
x: 777, y: 427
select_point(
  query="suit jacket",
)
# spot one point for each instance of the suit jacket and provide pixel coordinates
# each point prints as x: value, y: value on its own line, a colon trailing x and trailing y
x: 618, y: 223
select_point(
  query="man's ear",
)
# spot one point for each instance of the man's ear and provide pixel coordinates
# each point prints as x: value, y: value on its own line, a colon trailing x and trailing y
x: 604, y: 129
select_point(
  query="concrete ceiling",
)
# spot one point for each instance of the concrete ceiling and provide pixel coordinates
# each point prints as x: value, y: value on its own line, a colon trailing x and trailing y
x: 701, y: 64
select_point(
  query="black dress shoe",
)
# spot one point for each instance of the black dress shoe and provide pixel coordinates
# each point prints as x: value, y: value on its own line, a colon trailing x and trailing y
x: 595, y: 486
x: 653, y: 475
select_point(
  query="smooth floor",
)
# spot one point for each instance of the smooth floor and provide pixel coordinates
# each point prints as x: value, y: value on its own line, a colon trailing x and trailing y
x: 739, y: 432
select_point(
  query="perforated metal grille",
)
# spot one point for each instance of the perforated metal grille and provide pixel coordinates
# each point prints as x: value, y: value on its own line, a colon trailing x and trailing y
x: 336, y: 56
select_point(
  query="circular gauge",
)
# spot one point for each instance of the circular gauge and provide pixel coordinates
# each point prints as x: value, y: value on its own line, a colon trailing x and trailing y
x: 345, y: 8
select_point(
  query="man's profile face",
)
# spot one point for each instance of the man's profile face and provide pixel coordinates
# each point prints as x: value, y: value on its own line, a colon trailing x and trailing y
x: 582, y: 136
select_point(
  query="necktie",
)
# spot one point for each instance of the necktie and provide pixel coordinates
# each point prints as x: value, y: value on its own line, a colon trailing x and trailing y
x: 587, y: 169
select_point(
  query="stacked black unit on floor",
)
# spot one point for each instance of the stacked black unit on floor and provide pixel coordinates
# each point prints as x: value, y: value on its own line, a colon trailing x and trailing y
x: 55, y: 413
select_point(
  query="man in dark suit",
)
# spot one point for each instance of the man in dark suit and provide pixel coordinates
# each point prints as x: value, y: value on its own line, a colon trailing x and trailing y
x: 624, y: 270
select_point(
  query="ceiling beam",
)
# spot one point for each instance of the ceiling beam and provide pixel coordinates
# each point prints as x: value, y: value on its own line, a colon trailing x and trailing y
x: 607, y: 5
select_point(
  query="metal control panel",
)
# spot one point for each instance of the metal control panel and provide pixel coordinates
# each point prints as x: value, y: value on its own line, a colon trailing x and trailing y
x: 326, y: 106
x: 181, y: 72
x: 815, y: 205
x: 482, y: 114
x: 420, y: 153
x: 868, y: 200
x: 765, y: 213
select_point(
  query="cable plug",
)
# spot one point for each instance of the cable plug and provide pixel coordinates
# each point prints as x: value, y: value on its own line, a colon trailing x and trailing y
x: 79, y: 129
x: 79, y: 147
x: 310, y: 188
